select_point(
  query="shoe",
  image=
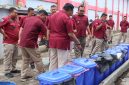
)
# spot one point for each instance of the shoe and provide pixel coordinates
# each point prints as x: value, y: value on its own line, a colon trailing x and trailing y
x: 111, y: 41
x: 32, y: 66
x: 25, y: 78
x: 9, y: 75
x: 16, y: 71
x: 90, y: 55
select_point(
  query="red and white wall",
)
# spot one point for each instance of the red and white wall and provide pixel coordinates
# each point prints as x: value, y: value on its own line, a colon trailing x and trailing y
x: 117, y: 8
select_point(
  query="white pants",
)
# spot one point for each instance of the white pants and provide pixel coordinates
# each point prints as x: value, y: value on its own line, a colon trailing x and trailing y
x: 10, y: 57
x: 58, y: 58
x: 122, y: 36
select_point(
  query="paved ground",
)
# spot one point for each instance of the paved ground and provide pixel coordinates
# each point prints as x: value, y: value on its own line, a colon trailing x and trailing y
x: 124, y: 80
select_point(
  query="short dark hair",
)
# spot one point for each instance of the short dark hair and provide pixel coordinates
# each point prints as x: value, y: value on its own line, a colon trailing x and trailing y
x: 125, y: 16
x: 43, y: 12
x: 12, y: 9
x: 80, y: 6
x: 53, y: 6
x: 68, y: 6
x: 110, y: 15
x: 30, y: 9
x: 90, y: 20
x: 104, y: 14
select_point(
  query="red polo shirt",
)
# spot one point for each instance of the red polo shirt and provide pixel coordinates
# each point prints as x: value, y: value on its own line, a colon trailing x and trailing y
x: 111, y: 23
x: 93, y: 23
x: 41, y: 35
x: 22, y: 20
x: 74, y: 24
x: 60, y: 25
x: 124, y: 26
x: 11, y: 29
x: 32, y: 26
x: 81, y: 23
x: 48, y: 20
x: 101, y: 33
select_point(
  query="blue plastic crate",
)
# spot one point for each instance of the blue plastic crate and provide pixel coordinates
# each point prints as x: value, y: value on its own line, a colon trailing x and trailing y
x: 54, y: 77
x: 72, y: 69
x: 86, y: 63
x: 7, y: 83
x: 89, y: 75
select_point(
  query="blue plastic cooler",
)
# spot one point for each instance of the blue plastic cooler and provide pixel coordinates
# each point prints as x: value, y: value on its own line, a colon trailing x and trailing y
x: 89, y: 75
x: 126, y: 46
x: 117, y: 63
x: 7, y: 83
x: 100, y: 76
x: 54, y: 77
x: 73, y: 70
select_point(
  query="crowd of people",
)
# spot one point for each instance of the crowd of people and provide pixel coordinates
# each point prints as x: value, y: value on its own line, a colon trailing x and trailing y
x: 56, y: 31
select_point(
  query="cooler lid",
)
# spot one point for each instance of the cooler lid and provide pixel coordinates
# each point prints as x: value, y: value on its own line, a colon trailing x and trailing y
x: 87, y: 63
x: 54, y: 77
x: 7, y: 83
x: 72, y: 69
x: 94, y: 56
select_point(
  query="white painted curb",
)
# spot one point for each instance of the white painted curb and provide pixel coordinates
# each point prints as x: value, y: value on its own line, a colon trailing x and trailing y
x: 114, y: 76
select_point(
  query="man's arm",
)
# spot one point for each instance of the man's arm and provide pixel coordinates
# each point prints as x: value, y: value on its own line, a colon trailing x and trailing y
x: 48, y: 33
x: 98, y: 27
x: 44, y: 31
x: 3, y: 33
x: 20, y: 31
x: 2, y: 24
x: 92, y: 32
x: 88, y: 29
x: 72, y: 35
x: 69, y: 27
x: 120, y: 23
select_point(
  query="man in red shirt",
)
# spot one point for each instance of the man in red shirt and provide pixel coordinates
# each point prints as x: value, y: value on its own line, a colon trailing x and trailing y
x: 124, y: 24
x: 82, y: 25
x: 31, y: 28
x: 30, y: 13
x: 61, y: 30
x: 10, y: 29
x: 53, y: 10
x: 100, y: 33
x: 110, y: 27
x: 92, y: 34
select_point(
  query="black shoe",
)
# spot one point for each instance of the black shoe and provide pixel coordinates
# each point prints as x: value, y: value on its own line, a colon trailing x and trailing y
x: 16, y: 71
x: 90, y: 55
x: 32, y: 66
x: 25, y: 78
x: 9, y: 75
x: 111, y: 42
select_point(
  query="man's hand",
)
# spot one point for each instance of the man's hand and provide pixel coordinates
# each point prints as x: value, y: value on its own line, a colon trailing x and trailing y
x: 5, y: 36
x: 18, y: 42
x: 79, y: 46
x: 74, y: 31
x: 47, y: 43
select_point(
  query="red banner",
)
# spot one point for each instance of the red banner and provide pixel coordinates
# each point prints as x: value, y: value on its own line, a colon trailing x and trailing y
x: 21, y: 3
x: 61, y: 3
x: 53, y: 1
